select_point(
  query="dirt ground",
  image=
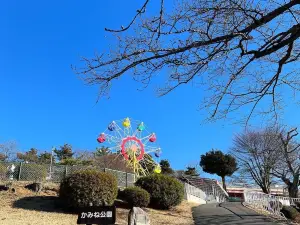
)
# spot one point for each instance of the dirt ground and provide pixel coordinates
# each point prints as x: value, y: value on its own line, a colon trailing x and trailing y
x: 27, y: 208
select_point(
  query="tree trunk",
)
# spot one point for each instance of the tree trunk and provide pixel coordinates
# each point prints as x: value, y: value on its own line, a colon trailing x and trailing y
x: 293, y: 191
x: 265, y: 190
x: 292, y: 186
x: 223, y: 182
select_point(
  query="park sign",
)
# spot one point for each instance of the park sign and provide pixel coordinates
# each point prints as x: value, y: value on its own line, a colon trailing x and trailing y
x: 102, y: 215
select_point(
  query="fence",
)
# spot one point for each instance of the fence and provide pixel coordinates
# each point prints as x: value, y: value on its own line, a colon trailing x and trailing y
x: 212, y: 189
x: 268, y: 204
x: 55, y: 173
x: 193, y: 194
x: 194, y: 191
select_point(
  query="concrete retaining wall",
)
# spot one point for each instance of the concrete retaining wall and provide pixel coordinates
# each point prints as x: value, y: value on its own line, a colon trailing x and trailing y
x: 191, y: 198
x: 193, y: 194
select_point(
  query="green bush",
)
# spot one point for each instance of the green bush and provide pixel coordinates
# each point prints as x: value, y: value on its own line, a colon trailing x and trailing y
x: 136, y: 197
x: 120, y: 194
x: 165, y: 191
x: 289, y: 212
x: 33, y: 172
x: 88, y: 186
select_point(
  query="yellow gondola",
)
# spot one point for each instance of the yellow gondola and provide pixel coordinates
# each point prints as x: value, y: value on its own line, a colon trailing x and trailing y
x: 157, y: 169
x: 126, y: 123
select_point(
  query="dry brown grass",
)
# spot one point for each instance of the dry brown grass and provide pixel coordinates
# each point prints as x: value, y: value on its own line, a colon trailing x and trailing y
x: 27, y: 208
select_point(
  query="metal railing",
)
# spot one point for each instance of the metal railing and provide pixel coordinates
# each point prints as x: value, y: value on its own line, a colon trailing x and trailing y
x: 294, y: 201
x: 212, y: 190
x: 194, y: 191
x: 268, y: 204
x: 38, y: 172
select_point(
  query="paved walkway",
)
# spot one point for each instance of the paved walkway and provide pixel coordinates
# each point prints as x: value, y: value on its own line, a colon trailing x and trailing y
x: 229, y: 213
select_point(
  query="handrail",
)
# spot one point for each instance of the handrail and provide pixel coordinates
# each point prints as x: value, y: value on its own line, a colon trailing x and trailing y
x: 208, y: 186
x: 194, y: 191
x: 225, y: 192
x: 268, y: 203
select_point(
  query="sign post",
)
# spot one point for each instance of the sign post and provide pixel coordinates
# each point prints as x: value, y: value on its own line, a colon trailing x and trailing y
x: 100, y: 215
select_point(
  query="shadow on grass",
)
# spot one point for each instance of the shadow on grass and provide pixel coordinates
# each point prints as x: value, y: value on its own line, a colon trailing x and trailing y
x: 41, y: 203
x: 122, y: 204
x: 52, y: 204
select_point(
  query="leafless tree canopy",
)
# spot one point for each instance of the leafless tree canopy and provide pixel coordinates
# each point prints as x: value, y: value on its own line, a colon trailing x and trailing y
x: 243, y: 52
x: 257, y: 155
x: 288, y: 165
x: 8, y: 150
x: 268, y: 155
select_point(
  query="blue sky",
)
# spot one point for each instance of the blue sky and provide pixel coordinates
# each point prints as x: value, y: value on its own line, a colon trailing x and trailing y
x: 44, y: 104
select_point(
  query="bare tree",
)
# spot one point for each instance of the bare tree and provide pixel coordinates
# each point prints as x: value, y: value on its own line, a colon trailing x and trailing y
x: 269, y: 156
x: 8, y: 150
x: 239, y: 179
x: 114, y: 162
x: 244, y: 52
x: 257, y: 155
x: 288, y: 165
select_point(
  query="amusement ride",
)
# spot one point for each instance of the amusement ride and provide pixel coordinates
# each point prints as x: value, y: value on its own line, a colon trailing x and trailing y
x: 131, y: 140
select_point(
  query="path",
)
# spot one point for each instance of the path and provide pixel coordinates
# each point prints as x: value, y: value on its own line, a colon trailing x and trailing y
x: 229, y: 213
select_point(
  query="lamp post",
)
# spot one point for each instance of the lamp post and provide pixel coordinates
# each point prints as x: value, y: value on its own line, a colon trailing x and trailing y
x: 51, y: 161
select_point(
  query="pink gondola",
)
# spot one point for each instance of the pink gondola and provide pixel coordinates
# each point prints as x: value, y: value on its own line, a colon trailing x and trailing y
x: 101, y: 138
x: 152, y: 138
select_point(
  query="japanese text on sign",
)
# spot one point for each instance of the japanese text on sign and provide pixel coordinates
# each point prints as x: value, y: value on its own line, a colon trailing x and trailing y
x: 107, y: 214
x: 97, y: 215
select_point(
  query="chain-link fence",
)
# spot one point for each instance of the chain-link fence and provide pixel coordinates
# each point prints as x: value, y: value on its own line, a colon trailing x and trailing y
x: 16, y: 171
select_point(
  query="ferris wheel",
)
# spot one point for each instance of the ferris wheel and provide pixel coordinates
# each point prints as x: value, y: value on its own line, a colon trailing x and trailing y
x: 131, y: 140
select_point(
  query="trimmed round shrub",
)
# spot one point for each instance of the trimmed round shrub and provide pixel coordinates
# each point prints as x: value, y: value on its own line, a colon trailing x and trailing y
x: 136, y: 197
x: 88, y: 186
x: 33, y: 172
x: 165, y: 191
x: 289, y: 212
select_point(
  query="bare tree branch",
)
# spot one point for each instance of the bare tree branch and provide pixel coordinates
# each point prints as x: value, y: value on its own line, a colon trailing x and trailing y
x: 139, y: 12
x: 237, y: 49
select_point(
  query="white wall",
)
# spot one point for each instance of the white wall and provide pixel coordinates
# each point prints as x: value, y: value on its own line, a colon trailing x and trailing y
x: 191, y: 198
x: 193, y: 194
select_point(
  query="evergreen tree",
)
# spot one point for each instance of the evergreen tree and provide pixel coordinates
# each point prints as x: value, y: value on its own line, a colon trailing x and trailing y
x: 216, y: 162
x: 101, y: 151
x: 46, y: 158
x: 191, y: 171
x: 65, y: 152
x: 29, y: 156
x: 165, y: 167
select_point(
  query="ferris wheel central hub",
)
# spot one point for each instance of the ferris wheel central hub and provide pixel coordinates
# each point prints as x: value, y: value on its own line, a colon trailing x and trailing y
x: 134, y: 148
x: 134, y: 144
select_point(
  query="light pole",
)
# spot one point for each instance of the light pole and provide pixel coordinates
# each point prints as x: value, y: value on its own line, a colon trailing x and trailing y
x: 51, y: 161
